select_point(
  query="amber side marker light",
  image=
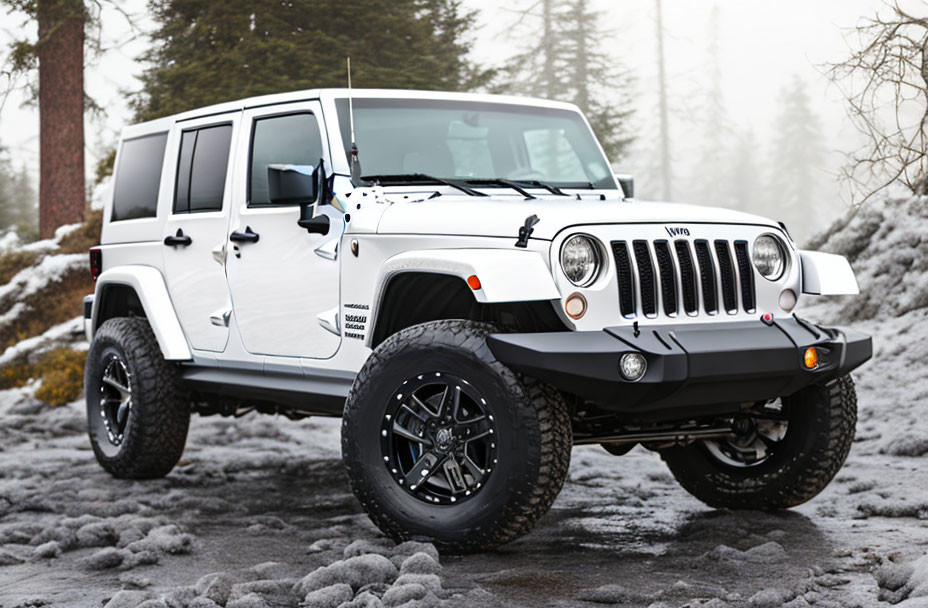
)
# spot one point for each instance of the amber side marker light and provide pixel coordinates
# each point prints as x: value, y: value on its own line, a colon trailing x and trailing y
x: 473, y: 282
x: 811, y: 358
x: 575, y: 305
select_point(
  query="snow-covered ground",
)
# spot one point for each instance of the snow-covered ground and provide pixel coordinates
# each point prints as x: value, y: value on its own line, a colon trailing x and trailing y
x: 259, y: 513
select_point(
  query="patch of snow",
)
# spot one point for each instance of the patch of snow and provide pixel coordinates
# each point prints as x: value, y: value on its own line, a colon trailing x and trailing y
x: 29, y: 280
x: 53, y: 337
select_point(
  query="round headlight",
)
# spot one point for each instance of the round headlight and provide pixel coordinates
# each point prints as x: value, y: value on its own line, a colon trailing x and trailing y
x: 768, y: 257
x: 580, y: 260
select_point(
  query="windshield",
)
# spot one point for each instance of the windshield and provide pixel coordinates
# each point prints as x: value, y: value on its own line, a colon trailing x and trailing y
x: 474, y: 140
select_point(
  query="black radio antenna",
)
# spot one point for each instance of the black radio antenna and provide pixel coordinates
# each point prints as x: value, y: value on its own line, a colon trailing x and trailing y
x: 355, y: 161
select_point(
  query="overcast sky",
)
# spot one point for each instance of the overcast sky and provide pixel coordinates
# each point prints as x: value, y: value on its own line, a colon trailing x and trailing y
x: 762, y: 44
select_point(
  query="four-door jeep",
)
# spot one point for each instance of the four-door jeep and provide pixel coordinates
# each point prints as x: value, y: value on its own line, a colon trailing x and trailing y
x: 473, y: 290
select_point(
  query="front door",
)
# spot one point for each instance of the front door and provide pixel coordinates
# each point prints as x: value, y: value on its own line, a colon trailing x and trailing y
x: 195, y: 232
x: 283, y: 280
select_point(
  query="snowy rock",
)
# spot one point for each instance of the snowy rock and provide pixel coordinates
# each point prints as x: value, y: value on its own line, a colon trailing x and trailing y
x: 363, y: 547
x: 216, y: 587
x: 612, y: 594
x: 105, y: 559
x: 398, y: 595
x: 265, y: 588
x: 48, y: 550
x: 97, y: 534
x: 907, y: 444
x: 430, y: 581
x: 364, y: 600
x: 767, y: 553
x: 411, y: 547
x: 155, y: 603
x: 420, y: 563
x: 129, y: 599
x: 252, y: 600
x: 165, y: 539
x: 771, y: 598
x: 8, y: 559
x: 329, y: 597
x: 356, y: 571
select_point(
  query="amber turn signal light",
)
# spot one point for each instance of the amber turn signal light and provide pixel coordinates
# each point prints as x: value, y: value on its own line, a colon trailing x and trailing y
x: 811, y: 358
x: 575, y: 305
x: 473, y: 282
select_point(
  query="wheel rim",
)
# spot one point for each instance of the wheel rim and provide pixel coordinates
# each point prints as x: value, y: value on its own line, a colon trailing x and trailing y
x: 755, y: 440
x: 439, y: 439
x: 115, y: 399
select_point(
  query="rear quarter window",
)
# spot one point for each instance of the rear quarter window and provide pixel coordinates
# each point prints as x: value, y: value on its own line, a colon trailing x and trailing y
x: 138, y: 177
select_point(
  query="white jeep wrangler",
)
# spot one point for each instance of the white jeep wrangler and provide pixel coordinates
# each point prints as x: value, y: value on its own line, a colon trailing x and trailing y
x: 483, y: 296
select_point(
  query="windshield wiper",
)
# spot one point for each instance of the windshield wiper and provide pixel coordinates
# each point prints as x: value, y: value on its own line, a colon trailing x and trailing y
x: 540, y: 184
x: 420, y: 179
x: 495, y: 181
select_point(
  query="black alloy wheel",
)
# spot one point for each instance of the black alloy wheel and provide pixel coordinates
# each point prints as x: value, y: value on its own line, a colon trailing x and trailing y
x: 438, y: 439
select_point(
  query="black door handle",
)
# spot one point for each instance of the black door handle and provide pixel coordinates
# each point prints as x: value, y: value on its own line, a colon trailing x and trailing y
x: 178, y: 239
x: 318, y: 224
x: 244, y: 237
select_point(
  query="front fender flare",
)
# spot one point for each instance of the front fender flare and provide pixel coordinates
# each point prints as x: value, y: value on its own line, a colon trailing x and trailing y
x: 505, y: 276
x: 152, y: 291
x: 827, y: 274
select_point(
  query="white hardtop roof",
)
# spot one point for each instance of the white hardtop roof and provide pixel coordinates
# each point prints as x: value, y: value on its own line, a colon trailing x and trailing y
x: 163, y: 124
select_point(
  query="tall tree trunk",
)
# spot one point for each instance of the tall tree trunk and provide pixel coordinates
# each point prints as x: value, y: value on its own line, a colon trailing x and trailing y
x: 666, y: 176
x: 61, y: 114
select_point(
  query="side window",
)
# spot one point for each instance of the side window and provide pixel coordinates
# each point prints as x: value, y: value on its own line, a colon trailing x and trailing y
x: 138, y: 177
x: 201, y: 169
x: 293, y: 139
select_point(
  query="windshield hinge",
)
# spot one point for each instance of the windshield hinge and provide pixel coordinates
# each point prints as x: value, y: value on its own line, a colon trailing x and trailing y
x: 526, y: 231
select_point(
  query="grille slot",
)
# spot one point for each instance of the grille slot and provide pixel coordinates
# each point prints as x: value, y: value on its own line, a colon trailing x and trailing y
x: 668, y: 277
x: 687, y: 276
x: 683, y: 273
x: 727, y: 272
x: 706, y: 276
x: 747, y: 275
x: 646, y: 278
x: 623, y: 269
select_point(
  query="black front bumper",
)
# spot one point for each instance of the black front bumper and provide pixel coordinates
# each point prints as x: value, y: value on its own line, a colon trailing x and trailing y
x: 708, y: 364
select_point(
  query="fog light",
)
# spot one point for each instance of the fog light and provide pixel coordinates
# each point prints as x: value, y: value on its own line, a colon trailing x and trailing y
x: 575, y: 306
x: 787, y: 299
x: 633, y: 366
x: 811, y: 358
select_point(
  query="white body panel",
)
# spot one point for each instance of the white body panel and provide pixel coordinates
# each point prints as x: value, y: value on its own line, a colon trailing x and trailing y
x: 281, y: 284
x: 196, y: 279
x: 505, y: 275
x: 152, y: 291
x: 826, y: 274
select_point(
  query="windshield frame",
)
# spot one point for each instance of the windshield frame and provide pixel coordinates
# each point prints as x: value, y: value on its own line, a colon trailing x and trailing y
x: 341, y: 106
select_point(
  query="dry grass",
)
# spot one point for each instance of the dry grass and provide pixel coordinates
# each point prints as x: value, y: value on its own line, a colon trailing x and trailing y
x: 61, y: 371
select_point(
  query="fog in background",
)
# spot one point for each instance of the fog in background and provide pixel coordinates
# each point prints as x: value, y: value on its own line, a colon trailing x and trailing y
x: 733, y: 68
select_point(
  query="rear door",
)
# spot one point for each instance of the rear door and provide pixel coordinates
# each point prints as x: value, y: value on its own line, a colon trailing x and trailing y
x: 284, y: 280
x: 195, y: 231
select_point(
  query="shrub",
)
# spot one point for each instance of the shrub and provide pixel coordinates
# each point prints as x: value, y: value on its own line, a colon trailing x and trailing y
x: 61, y: 371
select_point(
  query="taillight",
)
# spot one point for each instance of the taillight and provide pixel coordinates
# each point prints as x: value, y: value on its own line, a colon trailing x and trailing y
x: 96, y: 262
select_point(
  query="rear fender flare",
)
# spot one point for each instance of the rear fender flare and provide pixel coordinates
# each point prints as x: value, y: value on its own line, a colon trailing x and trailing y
x: 148, y: 283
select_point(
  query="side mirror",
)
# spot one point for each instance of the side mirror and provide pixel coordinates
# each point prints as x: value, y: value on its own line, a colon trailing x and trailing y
x: 287, y: 184
x: 628, y: 184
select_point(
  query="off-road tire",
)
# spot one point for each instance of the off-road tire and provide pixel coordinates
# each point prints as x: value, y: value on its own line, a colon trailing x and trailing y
x: 156, y: 428
x: 822, y: 421
x: 534, y: 438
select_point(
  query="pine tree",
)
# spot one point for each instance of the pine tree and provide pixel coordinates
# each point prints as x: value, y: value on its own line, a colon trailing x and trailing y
x: 207, y: 52
x: 18, y: 211
x: 795, y: 182
x: 564, y: 63
x: 745, y: 186
x: 711, y: 169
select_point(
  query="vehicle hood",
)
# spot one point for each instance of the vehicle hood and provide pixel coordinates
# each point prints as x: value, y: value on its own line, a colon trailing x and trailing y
x: 502, y: 216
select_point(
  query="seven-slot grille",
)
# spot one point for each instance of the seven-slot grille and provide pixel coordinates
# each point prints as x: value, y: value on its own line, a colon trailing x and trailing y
x: 679, y: 276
